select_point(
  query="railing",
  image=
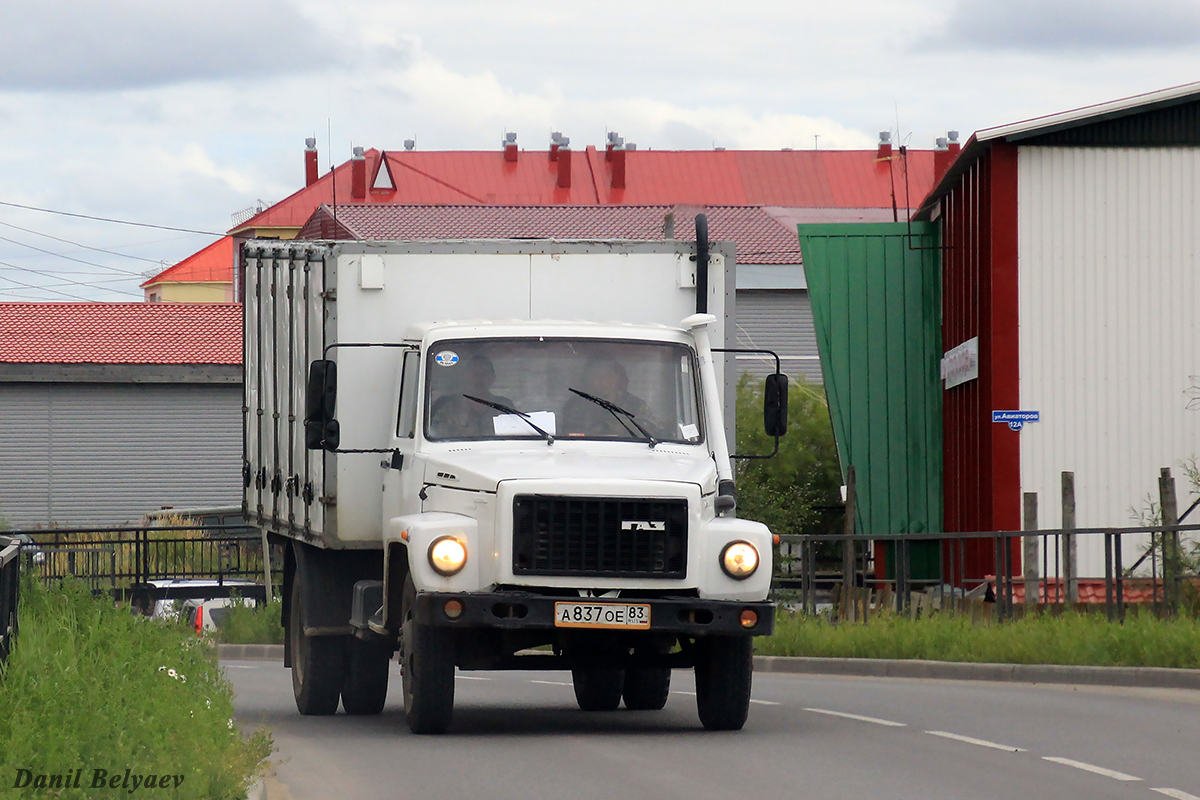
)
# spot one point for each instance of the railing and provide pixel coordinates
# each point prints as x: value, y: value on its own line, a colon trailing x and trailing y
x: 858, y: 589
x: 123, y: 561
x: 10, y: 585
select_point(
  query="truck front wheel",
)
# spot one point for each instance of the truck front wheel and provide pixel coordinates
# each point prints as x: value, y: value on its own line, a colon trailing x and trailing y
x: 365, y: 689
x: 318, y: 662
x: 598, y: 689
x: 724, y: 666
x: 427, y: 665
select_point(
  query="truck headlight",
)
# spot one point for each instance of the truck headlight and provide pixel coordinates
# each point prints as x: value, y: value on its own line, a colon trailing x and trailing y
x: 739, y: 560
x: 447, y: 555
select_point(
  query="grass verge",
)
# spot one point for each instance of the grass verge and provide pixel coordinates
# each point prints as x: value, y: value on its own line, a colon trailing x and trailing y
x: 244, y: 624
x: 1072, y: 638
x: 92, y: 688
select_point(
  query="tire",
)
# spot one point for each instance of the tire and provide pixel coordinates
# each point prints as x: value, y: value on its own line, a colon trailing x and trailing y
x: 598, y: 689
x: 318, y: 662
x: 366, y: 685
x: 647, y: 689
x: 724, y: 668
x: 427, y: 665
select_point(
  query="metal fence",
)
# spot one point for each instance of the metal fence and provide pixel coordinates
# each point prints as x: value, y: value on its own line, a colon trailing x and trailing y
x: 1045, y: 580
x: 124, y: 561
x: 10, y: 585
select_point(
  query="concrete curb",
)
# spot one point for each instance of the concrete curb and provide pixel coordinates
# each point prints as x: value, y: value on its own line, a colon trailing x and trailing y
x: 1153, y: 677
x: 250, y: 652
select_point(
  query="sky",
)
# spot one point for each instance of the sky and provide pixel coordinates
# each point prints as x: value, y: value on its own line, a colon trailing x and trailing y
x: 181, y: 114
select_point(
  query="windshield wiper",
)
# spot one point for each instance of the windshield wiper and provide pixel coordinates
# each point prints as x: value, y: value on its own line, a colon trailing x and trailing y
x: 624, y: 417
x: 510, y: 410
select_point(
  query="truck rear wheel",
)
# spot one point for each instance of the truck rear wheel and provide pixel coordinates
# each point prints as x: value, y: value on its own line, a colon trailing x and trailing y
x: 365, y: 689
x: 724, y: 666
x: 427, y: 664
x: 598, y: 689
x: 647, y: 689
x: 318, y: 662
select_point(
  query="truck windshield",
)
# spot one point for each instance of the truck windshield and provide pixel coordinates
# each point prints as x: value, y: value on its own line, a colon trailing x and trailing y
x: 649, y: 390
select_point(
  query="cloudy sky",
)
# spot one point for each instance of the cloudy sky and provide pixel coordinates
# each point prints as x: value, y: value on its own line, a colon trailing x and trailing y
x: 180, y: 114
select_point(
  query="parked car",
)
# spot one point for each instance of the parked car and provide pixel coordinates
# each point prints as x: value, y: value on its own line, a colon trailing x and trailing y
x: 29, y: 548
x: 199, y: 602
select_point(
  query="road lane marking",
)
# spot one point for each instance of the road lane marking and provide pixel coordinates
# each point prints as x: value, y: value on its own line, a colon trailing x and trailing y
x: 241, y: 666
x: 764, y: 702
x: 690, y: 694
x: 1178, y: 795
x: 471, y: 678
x: 1108, y: 773
x: 981, y: 742
x: 874, y: 720
x: 553, y: 683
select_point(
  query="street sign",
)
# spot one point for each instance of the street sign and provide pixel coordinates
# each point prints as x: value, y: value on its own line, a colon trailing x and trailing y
x: 1016, y: 419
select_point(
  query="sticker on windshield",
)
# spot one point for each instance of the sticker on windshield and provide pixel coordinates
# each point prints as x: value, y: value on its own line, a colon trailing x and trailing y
x: 689, y: 431
x: 446, y: 358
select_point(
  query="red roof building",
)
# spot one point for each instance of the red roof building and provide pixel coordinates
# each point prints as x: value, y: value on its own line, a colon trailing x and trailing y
x: 203, y: 277
x: 824, y: 185
x: 120, y: 333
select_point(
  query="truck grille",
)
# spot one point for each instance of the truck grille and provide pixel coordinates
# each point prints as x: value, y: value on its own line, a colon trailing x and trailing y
x: 599, y: 537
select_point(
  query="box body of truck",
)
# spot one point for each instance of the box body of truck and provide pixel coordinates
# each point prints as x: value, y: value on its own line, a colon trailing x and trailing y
x: 463, y: 491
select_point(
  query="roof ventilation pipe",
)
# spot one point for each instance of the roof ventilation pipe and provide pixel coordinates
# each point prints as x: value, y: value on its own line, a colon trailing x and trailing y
x: 564, y: 162
x: 556, y: 138
x: 358, y: 175
x: 410, y: 144
x: 885, y: 146
x: 310, y: 161
x: 510, y: 147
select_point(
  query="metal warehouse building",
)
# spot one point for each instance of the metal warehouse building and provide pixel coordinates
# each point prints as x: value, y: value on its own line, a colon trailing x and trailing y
x: 1070, y: 263
x: 109, y: 411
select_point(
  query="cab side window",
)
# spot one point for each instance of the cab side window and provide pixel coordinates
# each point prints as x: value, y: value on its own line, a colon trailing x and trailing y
x: 406, y: 424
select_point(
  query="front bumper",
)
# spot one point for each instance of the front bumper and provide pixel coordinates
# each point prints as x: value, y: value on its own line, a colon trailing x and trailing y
x: 526, y: 611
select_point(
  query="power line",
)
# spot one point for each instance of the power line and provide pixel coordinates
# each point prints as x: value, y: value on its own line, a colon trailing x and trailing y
x: 108, y: 219
x: 43, y: 273
x: 79, y: 244
x: 40, y: 288
x: 69, y: 258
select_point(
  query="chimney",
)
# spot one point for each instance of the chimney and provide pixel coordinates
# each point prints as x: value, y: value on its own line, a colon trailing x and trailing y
x: 885, y: 146
x: 617, y: 155
x: 614, y: 143
x: 563, y: 156
x: 510, y: 147
x: 945, y: 153
x: 555, y: 142
x: 310, y: 161
x: 410, y: 144
x: 358, y: 175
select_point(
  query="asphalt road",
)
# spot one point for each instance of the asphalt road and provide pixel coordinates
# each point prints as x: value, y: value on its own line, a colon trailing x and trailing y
x: 520, y: 735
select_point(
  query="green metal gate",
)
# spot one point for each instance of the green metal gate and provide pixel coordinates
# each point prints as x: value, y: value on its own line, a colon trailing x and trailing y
x: 876, y: 294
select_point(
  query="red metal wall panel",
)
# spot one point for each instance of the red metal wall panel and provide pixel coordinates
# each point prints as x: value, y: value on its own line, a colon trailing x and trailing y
x: 979, y: 285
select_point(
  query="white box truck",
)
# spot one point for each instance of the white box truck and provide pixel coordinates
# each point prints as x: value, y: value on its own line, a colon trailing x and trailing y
x: 502, y: 455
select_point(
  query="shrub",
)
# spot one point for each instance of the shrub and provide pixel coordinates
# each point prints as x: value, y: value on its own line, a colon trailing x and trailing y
x: 93, y: 687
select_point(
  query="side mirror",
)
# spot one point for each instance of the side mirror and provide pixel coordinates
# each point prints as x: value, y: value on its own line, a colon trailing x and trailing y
x: 321, y: 430
x: 775, y: 400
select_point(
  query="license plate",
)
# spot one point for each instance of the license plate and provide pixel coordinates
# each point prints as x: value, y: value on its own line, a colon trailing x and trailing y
x: 602, y: 615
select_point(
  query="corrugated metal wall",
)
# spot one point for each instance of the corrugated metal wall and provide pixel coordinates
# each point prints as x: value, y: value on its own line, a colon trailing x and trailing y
x: 979, y: 298
x: 1110, y: 342
x: 875, y: 295
x: 781, y: 321
x: 105, y: 454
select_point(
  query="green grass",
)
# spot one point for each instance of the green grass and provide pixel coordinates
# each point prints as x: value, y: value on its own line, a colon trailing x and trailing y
x: 247, y: 625
x: 92, y: 687
x: 1072, y: 638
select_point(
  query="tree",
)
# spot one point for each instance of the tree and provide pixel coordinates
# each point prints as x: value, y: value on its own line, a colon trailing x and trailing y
x: 785, y: 492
